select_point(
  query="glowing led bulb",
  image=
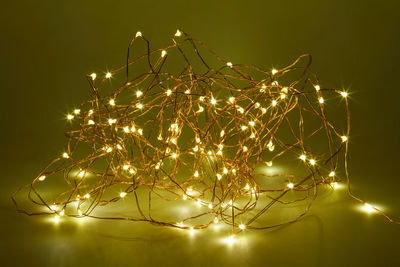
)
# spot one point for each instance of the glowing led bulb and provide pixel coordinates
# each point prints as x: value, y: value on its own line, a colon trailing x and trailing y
x: 93, y: 75
x: 56, y: 218
x: 65, y: 155
x: 108, y: 75
x: 219, y: 176
x: 122, y: 194
x: 368, y: 207
x: 210, y: 206
x: 230, y: 240
x: 335, y: 185
x: 70, y: 117
x: 184, y: 197
x: 225, y: 170
x: 62, y: 213
x: 77, y: 111
x: 139, y: 93
x: 79, y: 212
x: 112, y: 121
x: 81, y: 173
x: 119, y: 146
x: 174, y: 155
x: 42, y: 178
x: 112, y: 102
x: 284, y: 90
x: 303, y: 157
x: 109, y: 149
x: 125, y: 167
x: 201, y: 109
x: 269, y: 163
x: 169, y: 92
x: 344, y: 94
x: 178, y: 33
x: 245, y: 148
x: 321, y: 100
x: 244, y: 127
x: 274, y: 103
x: 87, y: 196
x: 344, y: 138
x: 247, y: 187
x: 229, y: 64
x: 138, y: 34
x: 331, y: 174
x: 312, y: 161
x: 290, y: 185
x: 242, y: 226
x: 232, y: 99
x: 257, y: 105
x: 196, y: 174
x: 163, y: 53
x: 252, y: 123
x: 213, y: 101
x: 222, y: 133
x: 274, y: 71
x: 140, y: 131
x: 283, y: 96
x: 216, y: 220
x: 91, y: 122
x: 139, y: 106
x: 233, y: 171
x: 317, y: 87
x: 126, y: 129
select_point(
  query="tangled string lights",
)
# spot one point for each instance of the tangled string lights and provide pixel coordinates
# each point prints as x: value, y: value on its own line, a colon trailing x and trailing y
x: 198, y: 135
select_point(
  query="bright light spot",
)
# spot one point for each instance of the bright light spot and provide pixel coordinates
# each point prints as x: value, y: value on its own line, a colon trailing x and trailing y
x: 344, y: 138
x: 139, y: 93
x: 283, y: 96
x: 229, y: 64
x: 312, y: 161
x: 247, y: 187
x: 213, y: 101
x: 269, y: 163
x: 138, y: 34
x: 222, y: 133
x: 284, y: 90
x: 274, y: 103
x: 230, y: 240
x: 178, y: 33
x: 242, y: 226
x: 169, y: 92
x: 56, y: 218
x: 196, y: 174
x: 274, y: 71
x: 41, y: 178
x: 219, y: 176
x: 108, y: 75
x: 174, y: 155
x: 112, y: 102
x: 163, y: 53
x: 321, y: 100
x: 252, y: 123
x: 77, y: 111
x: 335, y: 185
x: 290, y: 185
x: 369, y: 208
x: 111, y: 121
x: 122, y: 194
x: 210, y: 206
x: 93, y: 75
x: 331, y: 174
x: 232, y: 99
x: 225, y: 170
x: 70, y: 117
x: 303, y: 157
x: 344, y: 94
x: 244, y: 127
x: 126, y: 129
x: 87, y: 196
x: 139, y: 106
x: 65, y: 155
x: 245, y: 148
x: 317, y: 87
x: 91, y: 122
x: 62, y: 213
x: 216, y: 220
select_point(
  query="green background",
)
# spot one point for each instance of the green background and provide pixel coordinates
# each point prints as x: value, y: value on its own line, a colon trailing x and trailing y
x: 48, y: 46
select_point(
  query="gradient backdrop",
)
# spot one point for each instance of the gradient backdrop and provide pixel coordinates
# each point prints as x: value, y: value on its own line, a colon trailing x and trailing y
x: 48, y: 46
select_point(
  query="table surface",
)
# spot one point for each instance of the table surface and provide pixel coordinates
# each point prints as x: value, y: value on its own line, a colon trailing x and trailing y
x: 48, y: 47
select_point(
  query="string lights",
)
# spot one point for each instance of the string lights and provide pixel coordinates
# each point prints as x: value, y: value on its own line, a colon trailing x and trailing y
x: 198, y: 135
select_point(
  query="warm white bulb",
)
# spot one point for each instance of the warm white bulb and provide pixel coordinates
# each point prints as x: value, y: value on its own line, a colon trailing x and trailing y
x: 344, y: 94
x: 290, y: 185
x: 213, y: 101
x: 331, y: 174
x: 274, y: 71
x: 65, y: 155
x: 122, y: 194
x: 108, y: 75
x: 312, y: 161
x: 70, y: 117
x: 321, y: 100
x: 138, y: 34
x: 139, y: 93
x: 93, y: 75
x: 42, y: 178
x: 229, y: 64
x: 344, y: 138
x: 242, y: 226
x: 274, y: 103
x: 317, y: 87
x: 303, y: 157
x: 163, y: 53
x: 112, y: 102
x: 178, y: 33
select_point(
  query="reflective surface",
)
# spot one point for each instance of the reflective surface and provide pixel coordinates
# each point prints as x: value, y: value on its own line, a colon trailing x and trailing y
x: 49, y: 47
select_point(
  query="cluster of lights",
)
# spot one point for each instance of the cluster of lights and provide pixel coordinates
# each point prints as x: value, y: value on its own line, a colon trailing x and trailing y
x: 226, y: 139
